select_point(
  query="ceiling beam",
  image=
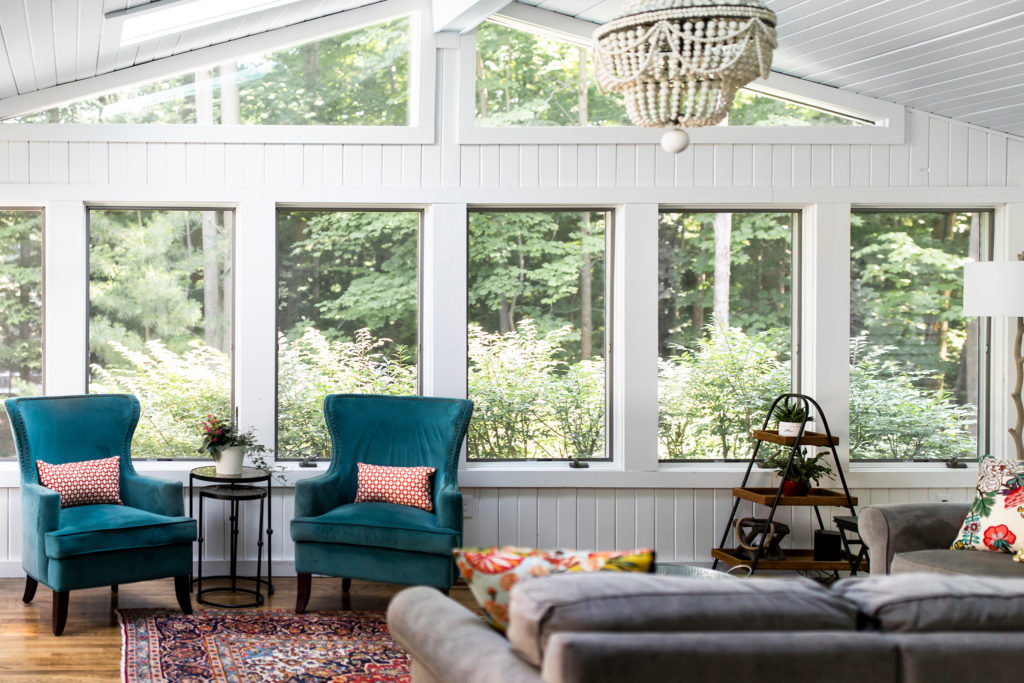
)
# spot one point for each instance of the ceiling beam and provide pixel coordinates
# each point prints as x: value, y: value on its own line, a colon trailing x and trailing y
x: 462, y: 16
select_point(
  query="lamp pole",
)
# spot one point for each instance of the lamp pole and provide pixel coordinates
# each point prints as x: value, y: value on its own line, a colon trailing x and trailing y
x: 1018, y: 360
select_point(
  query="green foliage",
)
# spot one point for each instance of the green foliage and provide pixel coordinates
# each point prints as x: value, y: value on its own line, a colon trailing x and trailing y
x: 753, y: 109
x: 217, y: 433
x: 803, y: 468
x: 790, y: 410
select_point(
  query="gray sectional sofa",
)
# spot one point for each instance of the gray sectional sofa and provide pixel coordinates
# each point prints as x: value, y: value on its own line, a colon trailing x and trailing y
x: 915, y: 537
x: 605, y: 627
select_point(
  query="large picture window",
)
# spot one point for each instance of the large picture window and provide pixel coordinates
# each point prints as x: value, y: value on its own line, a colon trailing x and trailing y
x: 914, y: 357
x: 160, y: 312
x: 356, y: 78
x: 536, y: 314
x: 724, y: 328
x: 347, y: 315
x: 21, y: 300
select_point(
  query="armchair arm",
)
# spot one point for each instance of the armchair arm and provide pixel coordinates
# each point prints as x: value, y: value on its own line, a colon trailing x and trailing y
x: 891, y: 529
x: 40, y: 514
x: 316, y: 496
x: 159, y: 496
x: 449, y: 509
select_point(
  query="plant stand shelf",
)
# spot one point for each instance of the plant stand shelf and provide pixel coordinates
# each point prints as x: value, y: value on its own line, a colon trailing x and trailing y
x: 800, y: 558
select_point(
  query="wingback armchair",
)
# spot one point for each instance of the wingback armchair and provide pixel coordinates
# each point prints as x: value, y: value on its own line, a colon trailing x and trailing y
x: 385, y: 542
x: 149, y: 537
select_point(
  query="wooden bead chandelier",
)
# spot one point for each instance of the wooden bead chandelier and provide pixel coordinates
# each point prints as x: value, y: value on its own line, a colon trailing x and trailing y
x: 680, y: 62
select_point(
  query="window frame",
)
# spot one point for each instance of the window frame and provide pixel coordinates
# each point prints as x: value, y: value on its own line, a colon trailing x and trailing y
x: 88, y: 208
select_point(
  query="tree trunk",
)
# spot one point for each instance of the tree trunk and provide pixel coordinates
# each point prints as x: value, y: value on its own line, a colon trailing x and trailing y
x: 229, y: 99
x: 723, y: 265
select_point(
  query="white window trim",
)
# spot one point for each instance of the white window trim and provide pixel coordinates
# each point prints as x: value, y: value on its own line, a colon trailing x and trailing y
x: 422, y: 76
x: 889, y: 119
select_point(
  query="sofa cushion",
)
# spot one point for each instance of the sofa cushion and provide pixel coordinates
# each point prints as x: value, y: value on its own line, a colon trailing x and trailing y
x: 103, y: 528
x: 933, y: 602
x: 956, y: 563
x: 614, y: 602
x: 379, y: 525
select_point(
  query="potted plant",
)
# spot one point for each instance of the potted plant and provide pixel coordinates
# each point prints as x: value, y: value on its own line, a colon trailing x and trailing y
x: 802, y: 471
x: 228, y: 446
x: 790, y: 416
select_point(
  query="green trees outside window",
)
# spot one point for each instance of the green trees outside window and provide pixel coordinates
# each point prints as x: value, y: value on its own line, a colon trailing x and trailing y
x: 536, y: 314
x: 914, y: 358
x: 724, y: 332
x: 160, y: 295
x: 21, y: 300
x: 356, y: 78
x: 347, y: 315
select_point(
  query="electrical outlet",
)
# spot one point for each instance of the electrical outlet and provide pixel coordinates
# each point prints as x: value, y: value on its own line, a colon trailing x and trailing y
x: 468, y: 505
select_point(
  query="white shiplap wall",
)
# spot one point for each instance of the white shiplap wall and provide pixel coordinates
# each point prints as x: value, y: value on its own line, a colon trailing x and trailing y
x: 942, y: 163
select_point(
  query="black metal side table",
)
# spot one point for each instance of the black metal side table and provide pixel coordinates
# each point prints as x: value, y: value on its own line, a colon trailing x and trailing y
x: 234, y: 489
x: 848, y: 524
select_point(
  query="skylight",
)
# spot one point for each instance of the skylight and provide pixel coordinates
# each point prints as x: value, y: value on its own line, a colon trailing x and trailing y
x: 165, y: 17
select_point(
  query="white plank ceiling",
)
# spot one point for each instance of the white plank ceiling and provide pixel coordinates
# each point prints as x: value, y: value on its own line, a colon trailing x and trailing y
x: 958, y: 58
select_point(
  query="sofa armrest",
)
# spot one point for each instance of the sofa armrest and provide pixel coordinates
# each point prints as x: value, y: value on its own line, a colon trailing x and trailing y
x: 40, y: 514
x: 891, y: 529
x: 316, y: 496
x: 449, y: 509
x: 449, y: 643
x: 159, y: 496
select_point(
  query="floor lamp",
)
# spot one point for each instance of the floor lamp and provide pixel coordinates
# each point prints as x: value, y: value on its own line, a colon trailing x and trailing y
x: 996, y: 288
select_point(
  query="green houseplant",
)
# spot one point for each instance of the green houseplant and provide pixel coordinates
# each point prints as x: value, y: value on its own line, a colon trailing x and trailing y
x: 790, y: 416
x: 802, y: 471
x: 228, y: 446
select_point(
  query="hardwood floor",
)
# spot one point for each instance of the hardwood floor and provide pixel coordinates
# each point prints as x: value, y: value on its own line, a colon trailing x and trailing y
x: 90, y: 649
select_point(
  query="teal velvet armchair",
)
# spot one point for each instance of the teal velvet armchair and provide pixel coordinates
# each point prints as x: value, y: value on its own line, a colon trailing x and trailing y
x: 149, y: 537
x: 384, y: 542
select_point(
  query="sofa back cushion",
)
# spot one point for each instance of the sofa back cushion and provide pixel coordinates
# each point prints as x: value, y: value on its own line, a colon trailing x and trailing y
x: 934, y: 602
x: 612, y: 602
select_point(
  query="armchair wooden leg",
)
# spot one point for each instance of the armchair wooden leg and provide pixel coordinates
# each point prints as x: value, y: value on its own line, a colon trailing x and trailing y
x: 305, y: 581
x: 346, y: 584
x: 113, y: 588
x: 60, y: 611
x: 181, y: 592
x: 30, y: 589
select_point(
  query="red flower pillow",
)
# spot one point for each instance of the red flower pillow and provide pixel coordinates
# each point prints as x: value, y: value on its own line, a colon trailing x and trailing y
x: 399, y: 485
x: 89, y: 482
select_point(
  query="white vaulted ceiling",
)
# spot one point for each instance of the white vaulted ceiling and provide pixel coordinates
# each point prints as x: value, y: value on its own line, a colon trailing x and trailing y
x: 958, y: 58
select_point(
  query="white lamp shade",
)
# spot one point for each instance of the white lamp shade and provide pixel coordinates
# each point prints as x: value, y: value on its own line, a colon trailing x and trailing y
x: 994, y: 288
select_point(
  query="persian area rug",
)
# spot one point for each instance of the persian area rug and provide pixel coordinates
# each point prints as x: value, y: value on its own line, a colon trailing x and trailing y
x: 258, y: 646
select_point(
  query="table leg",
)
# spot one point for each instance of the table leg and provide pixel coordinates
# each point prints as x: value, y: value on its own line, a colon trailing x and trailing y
x: 259, y: 556
x: 233, y: 516
x: 199, y: 563
x: 190, y: 480
x: 270, y: 538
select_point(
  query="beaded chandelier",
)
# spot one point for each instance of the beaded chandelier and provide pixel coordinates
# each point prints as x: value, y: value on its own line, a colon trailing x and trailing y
x: 680, y: 62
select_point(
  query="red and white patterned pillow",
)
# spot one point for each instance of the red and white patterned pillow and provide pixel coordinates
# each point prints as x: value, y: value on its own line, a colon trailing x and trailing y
x: 399, y: 485
x: 89, y: 482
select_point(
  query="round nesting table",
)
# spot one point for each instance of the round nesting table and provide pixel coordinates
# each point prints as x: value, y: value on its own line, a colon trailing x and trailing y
x: 234, y: 489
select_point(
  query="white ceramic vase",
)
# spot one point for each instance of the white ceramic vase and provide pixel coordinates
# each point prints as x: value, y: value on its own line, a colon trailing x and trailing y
x: 229, y: 460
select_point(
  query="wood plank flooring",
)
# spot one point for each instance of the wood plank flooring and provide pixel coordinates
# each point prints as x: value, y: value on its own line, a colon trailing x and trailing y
x: 90, y: 649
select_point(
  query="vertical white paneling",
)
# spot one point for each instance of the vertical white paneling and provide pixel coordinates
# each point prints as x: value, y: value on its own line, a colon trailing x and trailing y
x: 996, y: 160
x: 175, y: 164
x: 704, y: 536
x: 118, y: 161
x: 547, y: 517
x: 782, y: 165
x: 586, y: 518
x: 840, y: 165
x: 684, y: 167
x: 508, y: 165
x: 412, y: 165
x: 977, y: 157
x: 313, y: 166
x: 489, y: 174
x: 917, y: 127
x: 645, y: 165
x: 566, y: 512
x: 938, y: 151
x: 586, y: 165
x: 664, y: 168
x: 625, y: 518
x: 958, y: 154
x: 860, y: 165
x: 879, y: 165
x: 431, y: 166
x: 215, y: 165
x: 722, y: 165
x: 645, y: 520
x: 665, y: 523
x: 390, y: 166
x: 606, y: 165
x: 899, y: 165
x: 273, y: 156
x: 527, y: 511
x: 234, y: 164
x: 703, y: 165
x: 567, y: 171
x: 1014, y: 163
x: 801, y: 165
x: 195, y: 164
x: 762, y: 165
x: 625, y: 165
x: 351, y: 165
x: 547, y: 162
x: 372, y: 165
x: 13, y: 527
x: 5, y: 161
x: 78, y: 162
x: 293, y: 166
x: 682, y: 517
x: 742, y: 165
x: 508, y: 517
x: 136, y: 155
x: 529, y: 169
x: 57, y: 164
x: 5, y: 551
x: 253, y: 164
x: 487, y: 517
x: 821, y: 165
x: 156, y: 163
x: 470, y: 530
x: 469, y: 161
x: 605, y: 516
x: 919, y: 496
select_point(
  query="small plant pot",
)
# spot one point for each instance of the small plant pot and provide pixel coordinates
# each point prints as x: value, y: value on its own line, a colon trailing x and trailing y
x: 229, y: 460
x: 795, y: 488
x: 790, y: 428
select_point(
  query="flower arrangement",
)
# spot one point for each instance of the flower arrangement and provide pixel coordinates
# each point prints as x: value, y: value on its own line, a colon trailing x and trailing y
x: 218, y: 433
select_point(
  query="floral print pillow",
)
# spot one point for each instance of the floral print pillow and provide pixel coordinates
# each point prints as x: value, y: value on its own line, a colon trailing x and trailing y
x: 996, y: 518
x: 491, y: 572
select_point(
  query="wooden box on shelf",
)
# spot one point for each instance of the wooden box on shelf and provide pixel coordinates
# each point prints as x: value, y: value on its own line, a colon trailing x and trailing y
x: 807, y: 439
